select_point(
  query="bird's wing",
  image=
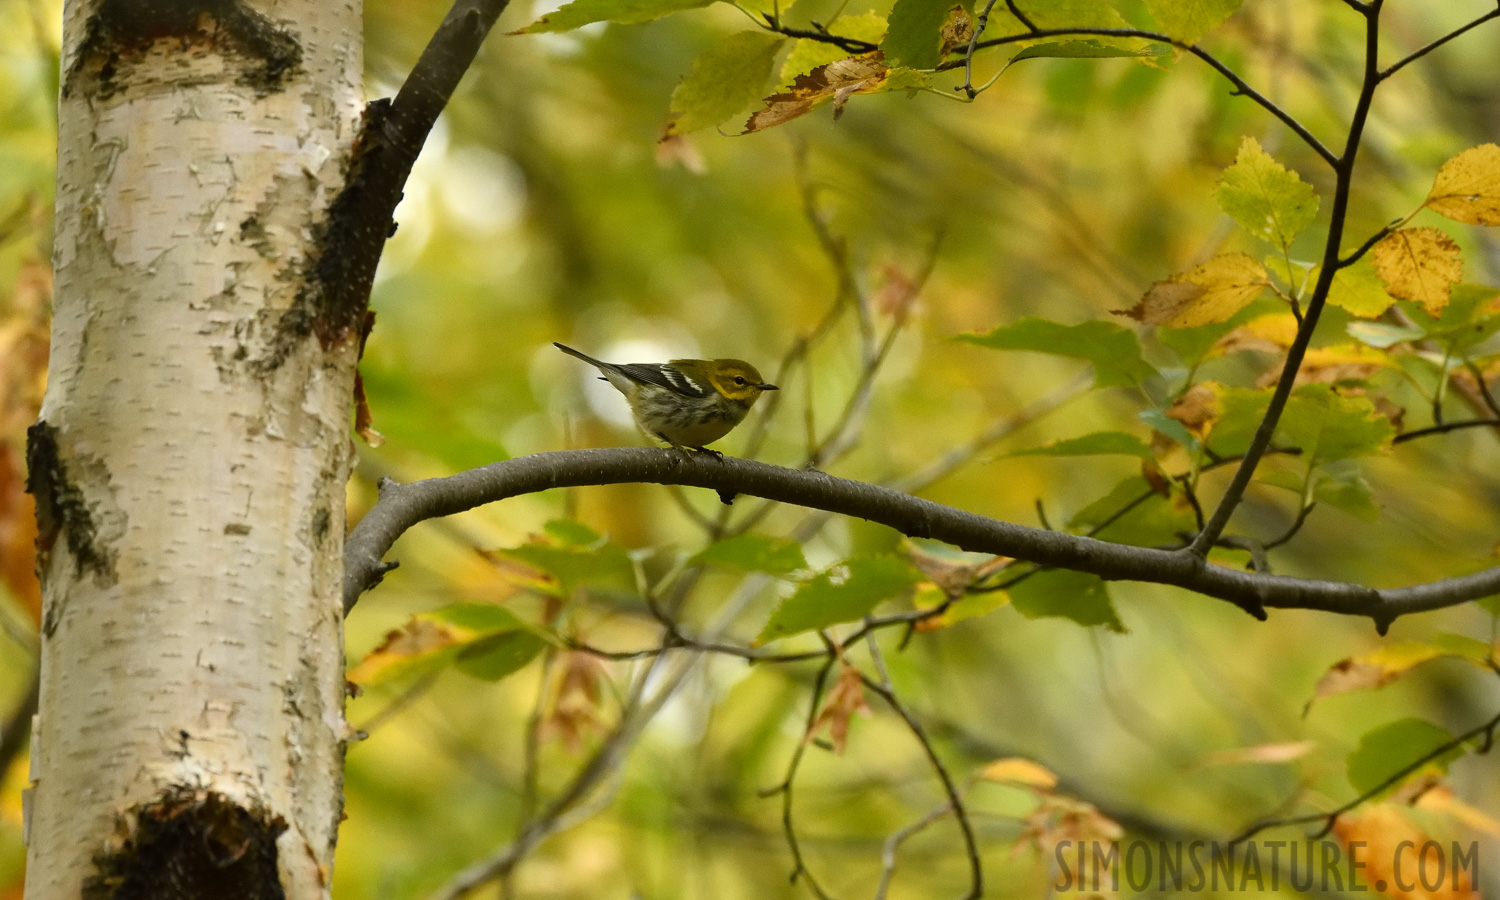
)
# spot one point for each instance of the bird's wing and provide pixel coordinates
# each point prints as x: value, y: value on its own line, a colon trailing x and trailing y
x: 663, y: 375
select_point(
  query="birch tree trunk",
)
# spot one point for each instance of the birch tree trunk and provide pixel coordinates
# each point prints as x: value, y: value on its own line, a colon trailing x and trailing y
x: 190, y: 459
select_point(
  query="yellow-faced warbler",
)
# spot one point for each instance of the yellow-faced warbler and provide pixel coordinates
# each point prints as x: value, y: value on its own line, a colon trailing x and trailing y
x: 685, y: 402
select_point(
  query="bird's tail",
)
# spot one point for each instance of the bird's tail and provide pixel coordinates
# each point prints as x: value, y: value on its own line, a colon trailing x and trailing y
x: 583, y: 356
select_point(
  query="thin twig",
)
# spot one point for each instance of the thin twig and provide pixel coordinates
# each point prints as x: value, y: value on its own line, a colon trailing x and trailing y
x: 1397, y: 66
x: 1444, y: 428
x: 1241, y: 86
x: 1329, y: 819
x: 887, y: 692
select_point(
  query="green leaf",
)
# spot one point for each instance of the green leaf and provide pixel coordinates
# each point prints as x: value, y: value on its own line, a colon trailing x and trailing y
x: 1359, y: 290
x: 1265, y: 197
x: 495, y: 656
x: 1172, y: 428
x: 1066, y: 594
x: 822, y: 602
x: 586, y: 12
x: 724, y: 80
x: 1060, y: 14
x: 1322, y: 424
x: 914, y: 38
x: 1148, y: 522
x: 598, y: 565
x: 1189, y: 20
x: 1100, y: 443
x: 1470, y: 317
x: 1343, y: 486
x: 571, y: 533
x: 1084, y: 50
x: 808, y: 54
x: 753, y: 553
x: 1381, y: 335
x: 1386, y: 750
x: 1114, y: 351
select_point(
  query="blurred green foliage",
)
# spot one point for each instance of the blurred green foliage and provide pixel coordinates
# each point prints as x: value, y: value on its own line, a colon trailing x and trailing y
x: 543, y: 208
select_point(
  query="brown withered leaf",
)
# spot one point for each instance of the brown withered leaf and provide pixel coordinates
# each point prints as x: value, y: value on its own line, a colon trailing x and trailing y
x: 896, y: 293
x: 575, y: 708
x: 1389, y: 847
x: 846, y: 699
x: 418, y: 637
x: 1419, y: 264
x: 364, y: 422
x: 1467, y: 187
x: 957, y: 31
x: 1202, y: 295
x: 1197, y: 409
x: 839, y: 80
x: 1058, y: 819
x: 950, y: 577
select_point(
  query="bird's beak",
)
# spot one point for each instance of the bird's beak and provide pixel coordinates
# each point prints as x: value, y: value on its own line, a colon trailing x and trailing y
x: 766, y: 386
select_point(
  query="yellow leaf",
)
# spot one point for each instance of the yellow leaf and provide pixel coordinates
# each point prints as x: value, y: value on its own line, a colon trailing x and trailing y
x: 1373, y: 670
x: 1440, y: 798
x: 1018, y: 771
x: 1203, y: 295
x: 1421, y: 265
x: 1389, y: 846
x: 1467, y: 187
x: 420, y: 637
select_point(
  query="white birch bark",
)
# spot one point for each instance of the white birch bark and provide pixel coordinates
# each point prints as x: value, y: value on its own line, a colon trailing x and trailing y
x: 192, y: 634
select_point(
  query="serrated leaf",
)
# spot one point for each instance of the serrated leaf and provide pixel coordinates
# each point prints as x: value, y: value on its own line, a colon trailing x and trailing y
x: 724, y: 79
x: 1467, y: 187
x: 913, y: 39
x: 1064, y: 593
x: 1100, y: 443
x: 1322, y: 424
x: 586, y: 12
x: 1358, y: 289
x: 808, y: 54
x: 1189, y: 20
x: 1266, y: 198
x: 1386, y: 750
x: 599, y: 564
x: 1203, y: 295
x: 1114, y: 351
x: 753, y: 553
x: 823, y: 601
x: 1419, y: 264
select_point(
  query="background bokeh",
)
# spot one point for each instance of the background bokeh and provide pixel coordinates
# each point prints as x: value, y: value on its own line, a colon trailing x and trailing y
x: 542, y: 210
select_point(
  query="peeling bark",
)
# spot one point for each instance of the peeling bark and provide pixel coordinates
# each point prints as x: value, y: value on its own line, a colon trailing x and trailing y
x: 191, y: 497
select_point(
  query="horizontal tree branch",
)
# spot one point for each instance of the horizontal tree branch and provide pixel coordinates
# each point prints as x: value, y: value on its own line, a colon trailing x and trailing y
x: 402, y: 506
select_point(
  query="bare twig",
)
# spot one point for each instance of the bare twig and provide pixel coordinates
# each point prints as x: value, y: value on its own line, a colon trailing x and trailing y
x: 887, y: 692
x: 1329, y: 819
x: 1415, y: 55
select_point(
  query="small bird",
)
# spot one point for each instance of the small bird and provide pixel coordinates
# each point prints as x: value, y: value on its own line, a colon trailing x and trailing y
x: 685, y: 402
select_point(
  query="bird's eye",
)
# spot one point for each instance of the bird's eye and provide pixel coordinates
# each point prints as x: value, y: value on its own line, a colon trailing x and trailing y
x: 738, y: 380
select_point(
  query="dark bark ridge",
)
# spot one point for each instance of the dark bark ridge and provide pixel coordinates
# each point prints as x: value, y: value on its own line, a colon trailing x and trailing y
x: 402, y: 506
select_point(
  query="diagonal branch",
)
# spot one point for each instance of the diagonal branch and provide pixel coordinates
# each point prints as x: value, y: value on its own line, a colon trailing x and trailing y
x: 360, y: 217
x: 402, y: 506
x: 1417, y: 54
